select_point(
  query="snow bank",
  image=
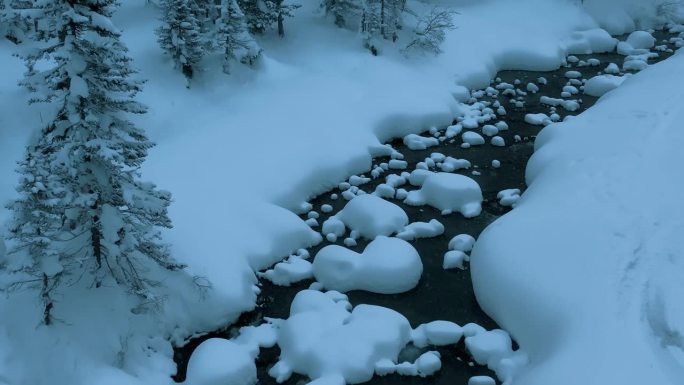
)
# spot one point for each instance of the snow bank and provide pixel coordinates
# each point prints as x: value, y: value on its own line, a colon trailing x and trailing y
x: 449, y: 193
x: 594, y: 282
x: 387, y: 266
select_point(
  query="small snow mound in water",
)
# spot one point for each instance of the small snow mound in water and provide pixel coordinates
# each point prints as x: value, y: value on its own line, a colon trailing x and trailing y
x: 481, y: 380
x: 386, y: 266
x: 637, y: 42
x: 612, y: 69
x: 569, y: 105
x: 494, y: 349
x: 450, y: 164
x: 417, y: 142
x: 417, y: 230
x: 599, y: 85
x: 641, y: 40
x: 426, y: 364
x: 634, y: 65
x: 217, y: 361
x: 454, y: 259
x: 368, y: 215
x: 292, y: 270
x: 330, y: 343
x: 462, y: 242
x: 498, y: 141
x: 449, y: 192
x: 454, y: 130
x: 490, y: 130
x: 573, y: 74
x: 418, y: 176
x: 508, y: 197
x: 436, y: 333
x: 472, y: 138
x: 539, y: 119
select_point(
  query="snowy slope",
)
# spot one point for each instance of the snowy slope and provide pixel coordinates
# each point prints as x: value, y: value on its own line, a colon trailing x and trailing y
x: 586, y: 272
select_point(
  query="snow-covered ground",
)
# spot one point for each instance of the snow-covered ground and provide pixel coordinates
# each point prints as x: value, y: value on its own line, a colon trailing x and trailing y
x: 241, y: 153
x: 586, y: 271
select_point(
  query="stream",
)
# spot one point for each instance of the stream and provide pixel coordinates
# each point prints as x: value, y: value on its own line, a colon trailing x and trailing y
x: 441, y: 294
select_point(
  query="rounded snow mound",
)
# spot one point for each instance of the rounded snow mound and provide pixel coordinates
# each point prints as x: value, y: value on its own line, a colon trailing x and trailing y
x: 599, y: 85
x: 386, y: 266
x: 217, y: 361
x: 327, y: 342
x: 449, y: 193
x: 371, y: 216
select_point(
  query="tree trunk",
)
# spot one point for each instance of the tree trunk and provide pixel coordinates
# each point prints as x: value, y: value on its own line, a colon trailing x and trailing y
x: 281, y: 27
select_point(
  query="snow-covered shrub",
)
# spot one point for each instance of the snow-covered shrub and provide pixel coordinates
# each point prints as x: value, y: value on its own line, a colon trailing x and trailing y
x: 431, y: 30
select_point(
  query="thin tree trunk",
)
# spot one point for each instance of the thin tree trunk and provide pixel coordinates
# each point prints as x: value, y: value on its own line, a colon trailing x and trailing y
x: 281, y: 27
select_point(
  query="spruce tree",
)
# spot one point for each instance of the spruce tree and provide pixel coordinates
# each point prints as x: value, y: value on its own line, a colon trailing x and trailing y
x: 180, y: 34
x: 381, y: 19
x: 83, y: 215
x: 263, y: 14
x: 281, y: 11
x: 14, y: 21
x: 234, y: 37
x: 343, y: 10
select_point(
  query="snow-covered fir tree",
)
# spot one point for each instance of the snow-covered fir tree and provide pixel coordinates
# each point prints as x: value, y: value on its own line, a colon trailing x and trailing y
x: 344, y: 10
x: 382, y: 18
x: 180, y: 34
x: 83, y: 216
x: 263, y: 14
x: 234, y: 37
x: 15, y: 22
x: 281, y: 11
x: 257, y: 15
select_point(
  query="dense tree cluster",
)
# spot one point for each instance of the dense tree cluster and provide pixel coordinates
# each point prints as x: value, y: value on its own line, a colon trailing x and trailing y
x: 383, y: 19
x: 192, y: 29
x: 83, y: 215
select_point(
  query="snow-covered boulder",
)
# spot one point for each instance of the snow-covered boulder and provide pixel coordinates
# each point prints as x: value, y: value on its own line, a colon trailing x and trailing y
x: 330, y: 343
x: 436, y: 333
x: 599, y: 85
x: 368, y: 215
x: 293, y: 269
x: 449, y: 193
x: 472, y: 138
x: 217, y: 361
x: 462, y: 242
x: 417, y: 142
x: 387, y: 266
